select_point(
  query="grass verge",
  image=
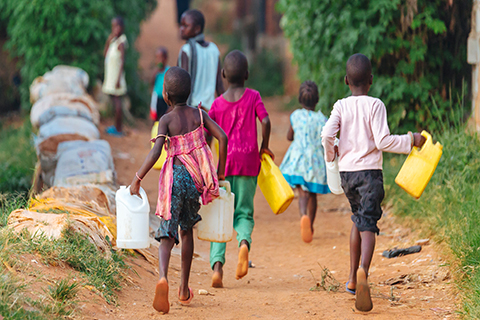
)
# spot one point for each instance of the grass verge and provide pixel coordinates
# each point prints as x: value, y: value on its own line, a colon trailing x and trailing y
x: 102, y: 274
x: 17, y: 157
x: 449, y: 209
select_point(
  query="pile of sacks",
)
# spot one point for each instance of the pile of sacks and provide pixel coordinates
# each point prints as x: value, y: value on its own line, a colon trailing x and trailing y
x: 75, y: 166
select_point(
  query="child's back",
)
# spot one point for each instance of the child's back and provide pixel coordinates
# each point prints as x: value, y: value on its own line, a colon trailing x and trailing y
x: 364, y: 133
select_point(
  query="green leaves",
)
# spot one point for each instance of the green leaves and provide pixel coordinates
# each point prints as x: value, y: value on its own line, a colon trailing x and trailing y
x: 43, y: 34
x: 414, y: 56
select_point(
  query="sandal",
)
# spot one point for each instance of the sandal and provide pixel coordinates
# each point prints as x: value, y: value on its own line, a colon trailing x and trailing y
x: 186, y: 302
x: 351, y: 291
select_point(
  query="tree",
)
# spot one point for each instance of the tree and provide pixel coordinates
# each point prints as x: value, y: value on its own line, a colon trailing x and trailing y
x: 417, y: 49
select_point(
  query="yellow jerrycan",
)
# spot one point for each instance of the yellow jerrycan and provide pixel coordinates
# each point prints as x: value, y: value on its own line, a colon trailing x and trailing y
x: 419, y: 167
x: 274, y: 187
x: 163, y: 156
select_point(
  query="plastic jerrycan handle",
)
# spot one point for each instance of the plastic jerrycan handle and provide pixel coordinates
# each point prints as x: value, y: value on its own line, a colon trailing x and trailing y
x: 225, y: 184
x: 143, y: 196
x: 428, y: 141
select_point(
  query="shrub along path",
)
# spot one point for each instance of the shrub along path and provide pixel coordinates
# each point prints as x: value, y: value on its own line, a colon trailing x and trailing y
x: 283, y: 284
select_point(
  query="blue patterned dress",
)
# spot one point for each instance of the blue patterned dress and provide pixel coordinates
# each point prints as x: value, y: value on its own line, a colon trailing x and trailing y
x: 304, y: 164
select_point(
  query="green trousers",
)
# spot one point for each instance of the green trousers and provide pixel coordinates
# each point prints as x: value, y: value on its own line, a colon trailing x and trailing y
x: 244, y: 188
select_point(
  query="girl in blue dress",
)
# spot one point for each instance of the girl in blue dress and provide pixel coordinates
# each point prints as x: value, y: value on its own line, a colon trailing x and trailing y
x: 303, y: 165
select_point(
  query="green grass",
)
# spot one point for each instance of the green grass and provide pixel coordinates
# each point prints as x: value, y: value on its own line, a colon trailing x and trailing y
x: 17, y: 158
x: 449, y: 209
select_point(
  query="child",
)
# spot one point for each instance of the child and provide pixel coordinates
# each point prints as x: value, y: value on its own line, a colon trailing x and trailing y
x: 304, y: 166
x: 236, y: 112
x: 361, y: 121
x: 201, y: 59
x: 188, y: 173
x: 158, y: 107
x: 114, y: 83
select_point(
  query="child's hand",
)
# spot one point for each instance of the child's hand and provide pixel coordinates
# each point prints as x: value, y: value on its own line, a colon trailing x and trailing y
x: 267, y: 151
x: 221, y: 177
x: 135, y: 187
x: 418, y: 140
x: 335, y: 150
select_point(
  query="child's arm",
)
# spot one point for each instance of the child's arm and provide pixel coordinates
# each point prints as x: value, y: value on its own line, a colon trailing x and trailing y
x: 121, y: 47
x: 290, y: 133
x: 266, y: 127
x: 151, y: 158
x: 107, y: 44
x: 219, y: 88
x: 184, y: 63
x: 329, y: 133
x: 218, y: 133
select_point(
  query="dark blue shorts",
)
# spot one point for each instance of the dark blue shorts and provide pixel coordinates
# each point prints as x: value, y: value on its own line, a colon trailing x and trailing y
x: 185, y: 205
x: 364, y: 191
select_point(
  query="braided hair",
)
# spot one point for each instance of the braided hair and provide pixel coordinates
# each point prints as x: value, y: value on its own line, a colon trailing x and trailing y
x: 308, y: 95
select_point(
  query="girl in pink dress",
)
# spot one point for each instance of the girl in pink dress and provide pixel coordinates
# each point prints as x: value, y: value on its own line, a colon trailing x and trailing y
x: 187, y: 175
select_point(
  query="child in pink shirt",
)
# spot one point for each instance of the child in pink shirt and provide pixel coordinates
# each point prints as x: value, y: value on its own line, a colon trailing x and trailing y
x: 362, y: 124
x: 236, y: 112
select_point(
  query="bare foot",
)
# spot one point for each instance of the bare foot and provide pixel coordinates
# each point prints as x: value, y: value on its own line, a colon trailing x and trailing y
x: 217, y: 278
x: 160, y: 301
x: 363, y: 301
x: 306, y: 229
x: 242, y: 266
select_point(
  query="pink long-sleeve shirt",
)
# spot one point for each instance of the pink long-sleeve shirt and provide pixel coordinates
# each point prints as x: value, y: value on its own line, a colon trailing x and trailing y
x: 364, y: 134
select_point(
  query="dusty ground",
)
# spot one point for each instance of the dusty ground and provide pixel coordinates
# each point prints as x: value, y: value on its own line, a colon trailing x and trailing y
x: 417, y: 286
x: 283, y: 283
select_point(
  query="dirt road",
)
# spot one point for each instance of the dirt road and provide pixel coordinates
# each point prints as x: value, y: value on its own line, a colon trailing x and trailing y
x: 417, y: 286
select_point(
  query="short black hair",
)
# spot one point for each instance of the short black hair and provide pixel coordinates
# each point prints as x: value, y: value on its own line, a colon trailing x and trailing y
x: 235, y: 66
x: 177, y: 84
x: 308, y: 94
x: 163, y: 50
x: 359, y: 70
x: 120, y: 21
x: 197, y: 17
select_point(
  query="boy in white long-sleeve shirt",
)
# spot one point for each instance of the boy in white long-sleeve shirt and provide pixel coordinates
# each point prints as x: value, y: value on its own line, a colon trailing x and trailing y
x: 361, y: 121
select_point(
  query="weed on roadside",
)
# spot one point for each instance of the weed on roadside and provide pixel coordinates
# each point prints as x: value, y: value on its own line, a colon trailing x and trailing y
x: 327, y: 281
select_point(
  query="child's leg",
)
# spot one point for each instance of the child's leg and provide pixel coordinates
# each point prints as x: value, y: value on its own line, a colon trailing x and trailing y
x: 244, y: 188
x: 187, y: 255
x: 117, y: 104
x: 305, y: 221
x: 312, y: 207
x: 368, y: 247
x: 355, y: 247
x: 160, y: 301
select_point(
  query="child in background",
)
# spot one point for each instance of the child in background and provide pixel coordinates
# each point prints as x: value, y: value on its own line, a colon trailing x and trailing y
x: 361, y: 121
x: 158, y: 107
x: 114, y: 83
x: 201, y: 59
x: 236, y: 112
x: 188, y: 173
x: 304, y: 166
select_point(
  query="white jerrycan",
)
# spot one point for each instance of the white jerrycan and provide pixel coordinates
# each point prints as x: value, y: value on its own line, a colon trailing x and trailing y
x: 333, y: 174
x: 217, y: 217
x: 132, y: 219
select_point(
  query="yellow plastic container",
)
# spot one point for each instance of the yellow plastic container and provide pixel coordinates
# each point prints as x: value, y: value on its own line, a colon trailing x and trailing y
x: 274, y: 187
x: 419, y: 167
x: 163, y: 156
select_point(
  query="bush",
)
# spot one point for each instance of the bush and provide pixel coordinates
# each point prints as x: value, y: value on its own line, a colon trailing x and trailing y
x: 414, y: 55
x: 43, y: 34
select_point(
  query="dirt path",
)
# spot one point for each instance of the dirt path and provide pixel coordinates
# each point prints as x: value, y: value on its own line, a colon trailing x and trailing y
x: 279, y: 287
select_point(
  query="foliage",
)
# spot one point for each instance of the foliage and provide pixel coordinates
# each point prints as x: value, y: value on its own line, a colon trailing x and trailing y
x: 449, y: 209
x: 46, y: 33
x: 17, y: 159
x: 417, y: 49
x: 266, y: 74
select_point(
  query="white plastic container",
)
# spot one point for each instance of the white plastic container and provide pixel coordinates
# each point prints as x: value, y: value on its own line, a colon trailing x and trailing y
x: 217, y: 217
x: 333, y: 175
x: 132, y: 219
